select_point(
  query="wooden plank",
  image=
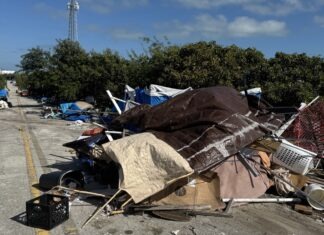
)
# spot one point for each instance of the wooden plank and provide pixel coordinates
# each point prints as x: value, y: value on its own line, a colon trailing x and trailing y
x: 307, y: 210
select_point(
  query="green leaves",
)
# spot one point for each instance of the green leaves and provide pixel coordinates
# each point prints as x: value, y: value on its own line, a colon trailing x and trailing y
x: 71, y: 73
x: 2, y: 82
x: 293, y: 78
x: 36, y: 59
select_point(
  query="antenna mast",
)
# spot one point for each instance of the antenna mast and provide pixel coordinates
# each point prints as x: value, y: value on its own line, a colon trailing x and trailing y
x: 73, y: 7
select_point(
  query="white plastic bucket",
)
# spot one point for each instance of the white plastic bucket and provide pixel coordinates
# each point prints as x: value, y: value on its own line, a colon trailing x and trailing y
x: 315, y: 196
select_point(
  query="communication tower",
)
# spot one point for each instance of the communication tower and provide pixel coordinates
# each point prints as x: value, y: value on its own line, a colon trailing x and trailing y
x: 73, y: 7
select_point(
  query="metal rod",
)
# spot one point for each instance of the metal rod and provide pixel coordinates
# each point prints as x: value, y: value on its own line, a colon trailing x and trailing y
x: 99, y: 125
x: 100, y: 209
x: 128, y: 201
x: 114, y: 101
x: 290, y: 184
x: 280, y: 200
x: 80, y: 191
x: 247, y: 165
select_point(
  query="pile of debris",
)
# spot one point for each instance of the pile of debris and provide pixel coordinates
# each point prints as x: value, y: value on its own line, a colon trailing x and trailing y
x: 198, y: 153
x: 73, y: 111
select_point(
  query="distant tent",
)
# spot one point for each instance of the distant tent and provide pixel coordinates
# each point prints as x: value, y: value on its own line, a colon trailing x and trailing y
x: 152, y: 96
x: 156, y: 94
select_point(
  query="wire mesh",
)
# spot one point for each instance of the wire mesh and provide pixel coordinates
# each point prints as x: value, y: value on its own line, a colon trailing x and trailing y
x: 307, y: 131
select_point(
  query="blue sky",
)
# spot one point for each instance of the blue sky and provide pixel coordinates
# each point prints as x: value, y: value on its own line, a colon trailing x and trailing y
x: 291, y: 26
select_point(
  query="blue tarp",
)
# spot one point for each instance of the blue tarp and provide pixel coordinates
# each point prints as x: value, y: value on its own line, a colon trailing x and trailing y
x: 156, y: 94
x: 153, y: 95
x: 75, y: 117
x: 72, y: 112
x: 69, y: 108
x: 3, y: 93
x: 143, y: 98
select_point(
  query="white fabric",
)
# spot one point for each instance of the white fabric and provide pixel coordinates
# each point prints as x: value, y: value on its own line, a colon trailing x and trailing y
x: 3, y: 104
x: 253, y: 91
x: 130, y: 92
x: 157, y: 90
x: 148, y: 164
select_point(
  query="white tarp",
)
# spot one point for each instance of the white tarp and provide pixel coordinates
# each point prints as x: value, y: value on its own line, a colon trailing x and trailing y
x: 148, y: 164
x: 157, y: 90
x: 253, y: 91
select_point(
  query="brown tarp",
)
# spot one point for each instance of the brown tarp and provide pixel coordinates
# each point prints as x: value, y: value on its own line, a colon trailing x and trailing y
x: 205, y: 125
x: 148, y: 165
x: 236, y: 181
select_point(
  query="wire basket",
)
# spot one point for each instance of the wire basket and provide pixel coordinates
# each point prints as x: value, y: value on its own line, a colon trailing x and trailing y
x: 294, y: 158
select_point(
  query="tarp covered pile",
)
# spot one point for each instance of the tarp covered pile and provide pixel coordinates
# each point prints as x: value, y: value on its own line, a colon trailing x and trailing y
x: 196, y: 148
x: 201, y: 129
x: 75, y: 111
x: 72, y: 111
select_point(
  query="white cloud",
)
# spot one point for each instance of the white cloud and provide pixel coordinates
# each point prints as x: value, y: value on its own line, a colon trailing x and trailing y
x: 319, y: 20
x: 106, y: 6
x: 210, y: 27
x: 262, y: 7
x: 245, y: 27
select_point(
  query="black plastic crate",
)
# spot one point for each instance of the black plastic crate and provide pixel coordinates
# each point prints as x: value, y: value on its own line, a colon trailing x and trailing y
x: 47, y: 211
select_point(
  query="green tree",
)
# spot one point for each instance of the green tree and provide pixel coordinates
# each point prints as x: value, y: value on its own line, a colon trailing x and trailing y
x: 35, y: 66
x: 71, y: 73
x: 21, y: 81
x: 105, y: 70
x: 3, y: 82
x: 294, y: 78
x: 35, y: 60
x: 68, y: 64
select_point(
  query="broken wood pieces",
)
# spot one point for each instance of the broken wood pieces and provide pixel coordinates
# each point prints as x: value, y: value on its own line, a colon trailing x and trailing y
x: 307, y: 210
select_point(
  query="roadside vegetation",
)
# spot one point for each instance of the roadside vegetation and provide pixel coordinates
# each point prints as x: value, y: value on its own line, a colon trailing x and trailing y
x: 2, y: 82
x: 4, y: 78
x: 70, y: 73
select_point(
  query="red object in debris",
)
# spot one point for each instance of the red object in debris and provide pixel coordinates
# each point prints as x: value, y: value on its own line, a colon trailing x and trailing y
x: 307, y: 131
x: 93, y: 131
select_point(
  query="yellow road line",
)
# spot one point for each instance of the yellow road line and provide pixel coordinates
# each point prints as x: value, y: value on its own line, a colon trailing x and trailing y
x: 31, y: 171
x: 32, y: 176
x: 30, y: 165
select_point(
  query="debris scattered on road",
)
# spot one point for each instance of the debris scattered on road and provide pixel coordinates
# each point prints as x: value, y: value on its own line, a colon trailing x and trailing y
x: 199, y: 152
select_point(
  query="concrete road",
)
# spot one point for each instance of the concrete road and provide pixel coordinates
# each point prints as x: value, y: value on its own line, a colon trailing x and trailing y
x: 30, y: 146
